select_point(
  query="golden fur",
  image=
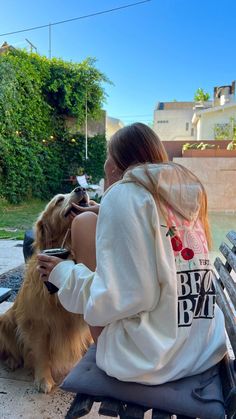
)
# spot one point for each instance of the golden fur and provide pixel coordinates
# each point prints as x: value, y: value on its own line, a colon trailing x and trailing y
x: 37, y: 331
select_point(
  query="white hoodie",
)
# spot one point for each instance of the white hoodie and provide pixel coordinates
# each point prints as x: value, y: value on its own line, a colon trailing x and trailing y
x: 152, y: 289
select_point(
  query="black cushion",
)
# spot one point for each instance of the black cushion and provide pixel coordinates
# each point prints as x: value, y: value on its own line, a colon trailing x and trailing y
x: 196, y: 396
x: 28, y: 249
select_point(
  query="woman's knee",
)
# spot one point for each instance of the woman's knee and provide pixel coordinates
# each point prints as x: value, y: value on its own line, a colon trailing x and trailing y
x: 95, y: 332
x: 83, y: 232
x: 84, y: 222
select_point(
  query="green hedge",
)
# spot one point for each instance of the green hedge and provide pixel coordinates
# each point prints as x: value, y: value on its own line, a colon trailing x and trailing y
x: 37, y: 151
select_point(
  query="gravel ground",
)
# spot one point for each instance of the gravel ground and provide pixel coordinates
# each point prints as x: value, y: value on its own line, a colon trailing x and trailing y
x: 13, y: 279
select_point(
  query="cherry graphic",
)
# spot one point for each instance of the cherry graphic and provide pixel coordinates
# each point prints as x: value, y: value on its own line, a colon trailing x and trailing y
x: 176, y: 244
x: 187, y: 253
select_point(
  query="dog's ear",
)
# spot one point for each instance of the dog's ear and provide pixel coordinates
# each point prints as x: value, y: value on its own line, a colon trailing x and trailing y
x: 40, y: 235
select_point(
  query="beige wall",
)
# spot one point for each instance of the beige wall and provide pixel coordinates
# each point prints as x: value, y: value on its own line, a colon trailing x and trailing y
x: 170, y: 124
x: 112, y: 125
x: 106, y: 125
x: 218, y: 176
x: 94, y: 127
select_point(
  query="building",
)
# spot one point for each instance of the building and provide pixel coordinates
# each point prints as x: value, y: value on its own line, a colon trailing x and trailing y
x: 5, y: 47
x: 218, y: 121
x: 173, y: 121
x: 112, y: 125
x: 105, y: 125
x: 94, y: 127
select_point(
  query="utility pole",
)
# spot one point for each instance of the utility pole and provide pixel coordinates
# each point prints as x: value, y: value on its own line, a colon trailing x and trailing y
x: 86, y: 126
x: 50, y: 40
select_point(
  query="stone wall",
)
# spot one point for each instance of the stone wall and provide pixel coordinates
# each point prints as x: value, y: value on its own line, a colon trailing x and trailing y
x: 218, y: 176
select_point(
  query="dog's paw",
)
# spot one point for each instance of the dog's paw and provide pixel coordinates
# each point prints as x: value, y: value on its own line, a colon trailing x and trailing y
x: 13, y: 363
x: 44, y: 385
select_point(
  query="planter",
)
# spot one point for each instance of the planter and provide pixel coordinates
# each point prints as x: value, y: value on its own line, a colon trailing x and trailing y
x: 209, y: 153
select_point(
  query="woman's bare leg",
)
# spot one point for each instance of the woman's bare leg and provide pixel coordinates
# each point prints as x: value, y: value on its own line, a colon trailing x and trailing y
x: 83, y: 233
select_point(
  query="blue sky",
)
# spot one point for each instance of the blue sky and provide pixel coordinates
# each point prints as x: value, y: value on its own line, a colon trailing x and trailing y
x: 157, y: 51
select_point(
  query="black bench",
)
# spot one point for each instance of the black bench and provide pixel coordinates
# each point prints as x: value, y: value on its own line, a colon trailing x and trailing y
x: 28, y: 249
x: 226, y: 299
x: 4, y: 294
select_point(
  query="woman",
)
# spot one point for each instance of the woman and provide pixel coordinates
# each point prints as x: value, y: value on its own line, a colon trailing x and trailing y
x: 148, y: 294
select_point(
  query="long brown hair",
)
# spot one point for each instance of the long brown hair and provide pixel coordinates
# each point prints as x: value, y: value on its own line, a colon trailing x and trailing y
x: 184, y: 176
x: 136, y: 144
x: 139, y: 144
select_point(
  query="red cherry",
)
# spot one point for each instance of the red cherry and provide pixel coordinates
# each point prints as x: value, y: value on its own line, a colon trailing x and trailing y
x: 187, y: 253
x: 176, y: 243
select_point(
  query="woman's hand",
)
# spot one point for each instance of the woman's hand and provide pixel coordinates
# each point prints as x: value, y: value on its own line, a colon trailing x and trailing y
x: 46, y: 264
x: 93, y: 207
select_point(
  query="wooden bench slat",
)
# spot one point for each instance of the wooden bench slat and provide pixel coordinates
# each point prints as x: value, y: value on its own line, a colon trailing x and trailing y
x: 229, y: 255
x: 158, y: 414
x: 80, y: 406
x: 110, y: 407
x: 133, y: 411
x: 4, y: 294
x: 230, y: 323
x: 231, y: 236
x: 227, y: 280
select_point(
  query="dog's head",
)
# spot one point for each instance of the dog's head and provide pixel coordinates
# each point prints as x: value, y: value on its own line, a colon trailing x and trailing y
x: 54, y: 222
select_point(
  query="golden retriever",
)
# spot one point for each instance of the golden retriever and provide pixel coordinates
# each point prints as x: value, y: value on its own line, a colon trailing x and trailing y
x: 37, y: 331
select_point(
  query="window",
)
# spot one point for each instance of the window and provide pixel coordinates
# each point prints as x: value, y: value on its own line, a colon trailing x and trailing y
x: 192, y: 132
x: 162, y: 121
x: 222, y: 131
x: 187, y: 126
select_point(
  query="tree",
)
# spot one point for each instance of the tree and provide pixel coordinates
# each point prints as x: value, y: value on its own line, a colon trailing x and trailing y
x: 201, y: 96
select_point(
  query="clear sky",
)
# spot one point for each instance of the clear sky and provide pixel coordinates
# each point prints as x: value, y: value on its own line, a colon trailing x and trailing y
x: 160, y: 50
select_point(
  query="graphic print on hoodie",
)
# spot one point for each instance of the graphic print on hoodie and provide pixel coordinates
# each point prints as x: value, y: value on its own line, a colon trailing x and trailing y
x: 196, y: 292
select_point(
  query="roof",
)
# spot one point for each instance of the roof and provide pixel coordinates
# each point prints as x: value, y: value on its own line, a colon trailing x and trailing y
x: 198, y: 114
x: 5, y: 47
x: 161, y: 106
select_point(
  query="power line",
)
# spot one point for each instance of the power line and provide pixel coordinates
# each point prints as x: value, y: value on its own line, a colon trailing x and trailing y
x: 76, y: 18
x: 134, y: 116
x: 130, y: 121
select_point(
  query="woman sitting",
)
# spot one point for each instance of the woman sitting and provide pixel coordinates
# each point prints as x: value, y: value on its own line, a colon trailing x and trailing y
x: 147, y: 290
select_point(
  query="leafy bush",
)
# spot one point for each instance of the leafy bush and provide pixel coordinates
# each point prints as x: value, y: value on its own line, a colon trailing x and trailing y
x: 231, y: 145
x: 36, y: 148
x: 197, y: 146
x: 226, y: 131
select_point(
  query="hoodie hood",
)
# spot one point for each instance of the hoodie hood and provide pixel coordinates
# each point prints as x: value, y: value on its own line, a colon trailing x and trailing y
x: 175, y: 186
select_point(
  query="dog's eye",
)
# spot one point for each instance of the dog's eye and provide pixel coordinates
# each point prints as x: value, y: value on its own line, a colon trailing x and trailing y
x: 59, y: 200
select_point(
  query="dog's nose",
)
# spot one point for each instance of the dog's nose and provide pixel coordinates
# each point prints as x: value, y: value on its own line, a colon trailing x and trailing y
x: 79, y: 189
